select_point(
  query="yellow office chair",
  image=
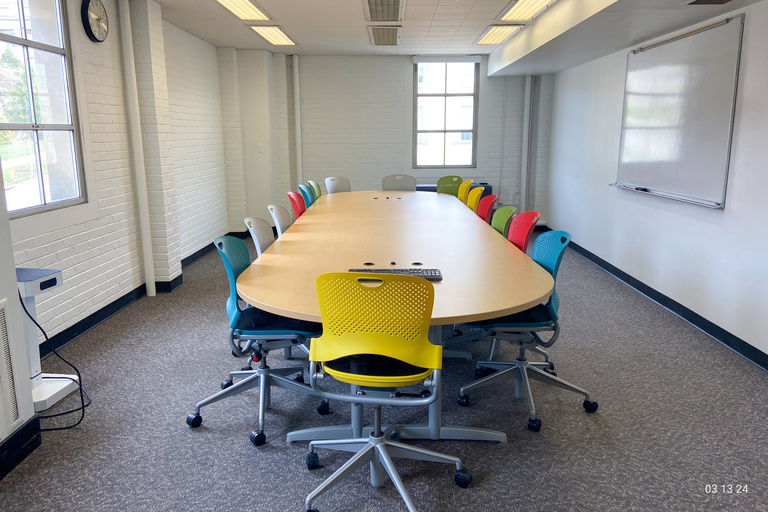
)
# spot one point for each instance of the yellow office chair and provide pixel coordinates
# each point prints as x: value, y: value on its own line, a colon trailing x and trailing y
x: 473, y: 198
x: 375, y: 338
x: 464, y: 190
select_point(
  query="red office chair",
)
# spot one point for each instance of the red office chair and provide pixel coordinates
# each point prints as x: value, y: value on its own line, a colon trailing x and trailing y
x: 521, y: 228
x: 485, y: 207
x: 297, y: 202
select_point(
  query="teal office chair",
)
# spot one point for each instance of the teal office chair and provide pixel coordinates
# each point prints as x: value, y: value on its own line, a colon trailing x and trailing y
x: 501, y: 219
x: 308, y: 194
x: 449, y: 185
x: 253, y: 333
x: 525, y: 329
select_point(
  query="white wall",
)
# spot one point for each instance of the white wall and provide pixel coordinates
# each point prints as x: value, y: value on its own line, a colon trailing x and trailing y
x: 197, y: 138
x: 357, y: 122
x: 711, y: 261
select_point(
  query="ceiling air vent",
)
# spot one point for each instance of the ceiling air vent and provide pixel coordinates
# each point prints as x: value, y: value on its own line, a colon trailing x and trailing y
x: 384, y: 36
x: 384, y: 10
x: 709, y: 2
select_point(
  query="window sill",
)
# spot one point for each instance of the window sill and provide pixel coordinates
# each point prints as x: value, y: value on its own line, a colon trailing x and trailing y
x: 53, y: 220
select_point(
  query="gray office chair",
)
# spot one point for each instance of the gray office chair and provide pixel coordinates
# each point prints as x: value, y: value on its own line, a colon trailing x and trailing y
x: 261, y: 232
x: 524, y: 329
x: 281, y: 216
x: 334, y: 185
x: 404, y: 182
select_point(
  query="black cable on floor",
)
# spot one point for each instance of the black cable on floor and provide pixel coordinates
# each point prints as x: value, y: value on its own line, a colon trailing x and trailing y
x: 79, y: 380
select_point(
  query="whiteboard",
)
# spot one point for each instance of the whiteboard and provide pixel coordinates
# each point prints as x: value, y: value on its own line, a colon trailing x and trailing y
x: 679, y: 100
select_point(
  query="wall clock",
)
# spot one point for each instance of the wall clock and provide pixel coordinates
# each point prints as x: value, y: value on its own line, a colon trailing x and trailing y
x: 95, y: 20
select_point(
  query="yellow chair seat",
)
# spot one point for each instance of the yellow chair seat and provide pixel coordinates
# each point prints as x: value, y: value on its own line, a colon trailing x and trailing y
x: 375, y: 370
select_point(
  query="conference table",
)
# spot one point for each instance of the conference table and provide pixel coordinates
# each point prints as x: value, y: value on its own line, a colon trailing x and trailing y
x: 484, y: 275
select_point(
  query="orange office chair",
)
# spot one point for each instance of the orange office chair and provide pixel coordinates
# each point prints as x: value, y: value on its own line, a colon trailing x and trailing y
x: 521, y: 228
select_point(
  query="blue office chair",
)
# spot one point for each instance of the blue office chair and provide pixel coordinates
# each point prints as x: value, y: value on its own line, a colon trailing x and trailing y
x: 307, y: 193
x: 253, y: 333
x: 524, y: 329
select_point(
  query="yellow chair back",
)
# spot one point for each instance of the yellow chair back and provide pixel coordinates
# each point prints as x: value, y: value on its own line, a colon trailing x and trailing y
x: 473, y: 198
x: 464, y: 190
x: 376, y: 314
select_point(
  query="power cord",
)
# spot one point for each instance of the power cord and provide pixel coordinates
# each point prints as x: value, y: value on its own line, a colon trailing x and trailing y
x: 78, y: 381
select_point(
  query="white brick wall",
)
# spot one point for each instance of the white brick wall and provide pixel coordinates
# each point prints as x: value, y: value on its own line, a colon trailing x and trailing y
x: 197, y: 138
x: 100, y: 258
x: 232, y: 128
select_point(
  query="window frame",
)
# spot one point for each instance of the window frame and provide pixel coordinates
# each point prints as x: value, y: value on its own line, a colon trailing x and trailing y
x: 74, y: 127
x: 475, y: 108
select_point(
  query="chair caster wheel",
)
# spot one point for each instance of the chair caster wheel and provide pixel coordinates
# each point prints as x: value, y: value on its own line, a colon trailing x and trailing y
x: 551, y: 372
x: 551, y: 365
x: 194, y: 420
x: 313, y: 461
x: 225, y: 384
x: 463, y: 401
x: 299, y: 378
x: 394, y: 436
x: 463, y: 478
x: 456, y: 332
x: 534, y: 425
x: 590, y: 406
x: 246, y: 369
x: 483, y: 372
x: 258, y: 438
x: 324, y: 408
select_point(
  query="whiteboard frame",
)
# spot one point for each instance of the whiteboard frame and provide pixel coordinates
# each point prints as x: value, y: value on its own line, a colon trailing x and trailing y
x: 636, y: 187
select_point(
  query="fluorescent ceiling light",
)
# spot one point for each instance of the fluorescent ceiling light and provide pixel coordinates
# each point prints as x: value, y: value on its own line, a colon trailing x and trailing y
x: 244, y: 10
x: 524, y: 10
x: 274, y: 35
x: 496, y: 34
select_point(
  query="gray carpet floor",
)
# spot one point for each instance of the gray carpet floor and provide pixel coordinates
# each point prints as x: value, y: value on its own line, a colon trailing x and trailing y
x: 679, y: 413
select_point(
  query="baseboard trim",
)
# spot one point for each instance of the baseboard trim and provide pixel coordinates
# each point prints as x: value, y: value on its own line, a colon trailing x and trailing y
x: 19, y: 445
x: 169, y: 286
x: 70, y: 333
x: 726, y: 338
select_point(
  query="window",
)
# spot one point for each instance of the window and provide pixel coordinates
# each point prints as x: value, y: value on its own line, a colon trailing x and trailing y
x: 445, y: 112
x: 39, y: 141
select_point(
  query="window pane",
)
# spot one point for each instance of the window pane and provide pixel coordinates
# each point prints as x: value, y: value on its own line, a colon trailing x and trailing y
x: 20, y: 171
x: 458, y: 148
x: 459, y: 112
x: 431, y: 114
x: 429, y: 149
x: 49, y: 86
x: 461, y: 77
x: 14, y: 99
x: 41, y: 20
x: 431, y: 78
x: 57, y: 150
x: 9, y: 18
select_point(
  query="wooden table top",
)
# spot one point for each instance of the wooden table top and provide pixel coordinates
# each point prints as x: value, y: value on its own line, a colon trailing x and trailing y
x: 484, y: 275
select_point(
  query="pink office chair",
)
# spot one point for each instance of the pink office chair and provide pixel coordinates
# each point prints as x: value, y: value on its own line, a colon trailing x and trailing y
x: 485, y: 207
x: 521, y: 228
x: 297, y: 202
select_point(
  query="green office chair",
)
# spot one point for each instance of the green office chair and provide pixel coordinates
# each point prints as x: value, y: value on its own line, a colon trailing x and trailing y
x: 501, y: 219
x: 524, y: 329
x: 449, y: 185
x: 375, y: 338
x: 253, y: 333
x: 315, y: 188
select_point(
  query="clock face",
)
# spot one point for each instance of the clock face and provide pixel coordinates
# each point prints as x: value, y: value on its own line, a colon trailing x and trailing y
x: 95, y: 20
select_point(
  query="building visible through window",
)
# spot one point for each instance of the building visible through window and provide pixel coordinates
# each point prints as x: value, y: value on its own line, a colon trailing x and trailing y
x: 446, y: 114
x: 39, y: 142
